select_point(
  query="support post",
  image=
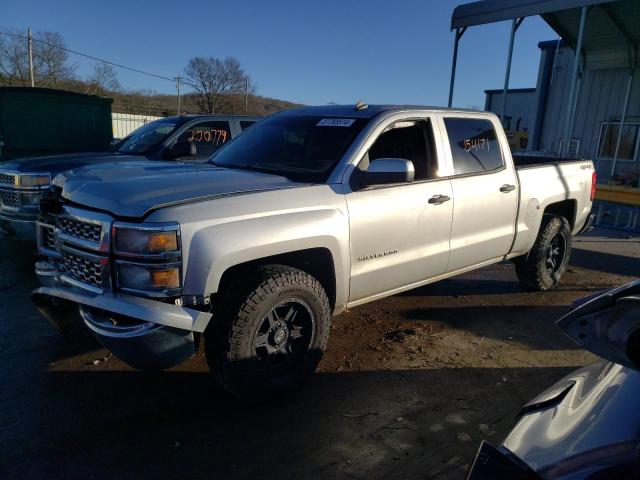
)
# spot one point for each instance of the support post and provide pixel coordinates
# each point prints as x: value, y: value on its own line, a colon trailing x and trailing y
x: 246, y: 95
x: 178, y: 89
x: 30, y: 43
x: 574, y: 76
x: 459, y: 33
x: 514, y: 26
x: 625, y: 109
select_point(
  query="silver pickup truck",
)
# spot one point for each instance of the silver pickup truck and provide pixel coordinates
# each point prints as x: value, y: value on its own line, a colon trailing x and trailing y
x: 308, y: 213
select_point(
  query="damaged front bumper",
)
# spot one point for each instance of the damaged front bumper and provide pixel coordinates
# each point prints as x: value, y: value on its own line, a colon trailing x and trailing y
x: 146, y: 334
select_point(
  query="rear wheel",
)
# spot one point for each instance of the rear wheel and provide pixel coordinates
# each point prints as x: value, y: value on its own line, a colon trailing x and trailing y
x: 270, y: 334
x: 543, y: 267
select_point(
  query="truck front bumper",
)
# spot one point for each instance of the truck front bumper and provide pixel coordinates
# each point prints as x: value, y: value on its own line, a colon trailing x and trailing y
x: 146, y: 334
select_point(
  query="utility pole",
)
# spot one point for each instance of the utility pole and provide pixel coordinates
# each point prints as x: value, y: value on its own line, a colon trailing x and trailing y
x: 246, y: 95
x: 30, y: 40
x: 178, y: 89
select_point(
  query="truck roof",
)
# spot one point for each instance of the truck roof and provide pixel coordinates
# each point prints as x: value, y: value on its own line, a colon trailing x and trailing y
x: 369, y: 111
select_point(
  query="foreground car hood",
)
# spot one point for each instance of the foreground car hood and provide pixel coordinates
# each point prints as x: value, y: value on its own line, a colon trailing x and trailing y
x: 596, y: 423
x: 55, y: 164
x: 134, y: 189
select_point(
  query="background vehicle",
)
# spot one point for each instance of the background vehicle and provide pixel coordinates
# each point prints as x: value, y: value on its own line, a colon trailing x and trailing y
x: 588, y: 424
x: 308, y: 213
x: 185, y: 138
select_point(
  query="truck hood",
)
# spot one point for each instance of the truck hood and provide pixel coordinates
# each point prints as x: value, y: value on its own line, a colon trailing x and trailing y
x: 134, y: 189
x: 55, y: 164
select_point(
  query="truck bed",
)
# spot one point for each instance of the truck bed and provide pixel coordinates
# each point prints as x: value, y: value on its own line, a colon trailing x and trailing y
x: 525, y: 161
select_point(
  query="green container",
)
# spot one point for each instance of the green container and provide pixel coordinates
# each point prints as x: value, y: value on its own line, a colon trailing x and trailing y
x: 44, y: 121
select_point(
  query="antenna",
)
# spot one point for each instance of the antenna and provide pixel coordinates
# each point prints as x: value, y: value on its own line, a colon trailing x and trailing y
x: 361, y: 105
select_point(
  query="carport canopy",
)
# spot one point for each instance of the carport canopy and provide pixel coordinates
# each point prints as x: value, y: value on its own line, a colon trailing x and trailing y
x: 593, y: 28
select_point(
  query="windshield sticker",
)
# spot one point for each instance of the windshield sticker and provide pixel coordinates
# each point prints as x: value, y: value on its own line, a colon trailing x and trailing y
x: 335, y: 122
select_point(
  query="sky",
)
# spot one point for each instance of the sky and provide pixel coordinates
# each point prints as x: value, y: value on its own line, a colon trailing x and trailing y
x: 311, y: 52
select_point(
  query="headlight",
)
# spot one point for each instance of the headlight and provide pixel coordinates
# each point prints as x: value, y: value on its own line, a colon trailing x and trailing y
x: 148, y: 258
x: 148, y: 277
x: 147, y: 240
x: 35, y: 180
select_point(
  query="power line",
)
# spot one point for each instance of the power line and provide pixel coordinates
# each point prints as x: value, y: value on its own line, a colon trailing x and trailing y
x: 173, y: 80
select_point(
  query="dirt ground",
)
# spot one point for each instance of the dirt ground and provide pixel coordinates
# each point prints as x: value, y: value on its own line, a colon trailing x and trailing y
x: 409, y: 387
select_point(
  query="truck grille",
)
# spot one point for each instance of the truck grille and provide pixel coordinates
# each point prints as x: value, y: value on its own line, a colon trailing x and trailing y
x: 49, y: 238
x: 10, y: 199
x: 6, y: 179
x: 82, y: 269
x: 80, y: 229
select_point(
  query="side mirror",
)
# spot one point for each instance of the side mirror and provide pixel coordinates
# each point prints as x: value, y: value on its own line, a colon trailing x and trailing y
x: 388, y: 170
x: 178, y: 150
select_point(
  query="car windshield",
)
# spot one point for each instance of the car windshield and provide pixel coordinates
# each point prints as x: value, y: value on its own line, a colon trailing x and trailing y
x: 304, y: 147
x: 146, y: 137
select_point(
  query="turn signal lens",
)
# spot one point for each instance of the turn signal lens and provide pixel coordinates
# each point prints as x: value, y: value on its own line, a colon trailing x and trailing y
x: 163, y: 242
x: 165, y: 278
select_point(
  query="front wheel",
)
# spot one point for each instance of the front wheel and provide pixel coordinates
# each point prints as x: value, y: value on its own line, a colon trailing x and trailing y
x: 543, y: 267
x: 271, y: 333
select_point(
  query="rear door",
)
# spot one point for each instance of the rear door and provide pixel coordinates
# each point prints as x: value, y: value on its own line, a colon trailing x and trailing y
x: 484, y: 189
x: 398, y: 236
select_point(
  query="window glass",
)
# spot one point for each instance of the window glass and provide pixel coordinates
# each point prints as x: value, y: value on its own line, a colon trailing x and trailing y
x: 474, y: 145
x: 410, y: 140
x: 244, y: 124
x: 305, y: 147
x: 146, y: 137
x: 207, y: 136
x: 609, y: 138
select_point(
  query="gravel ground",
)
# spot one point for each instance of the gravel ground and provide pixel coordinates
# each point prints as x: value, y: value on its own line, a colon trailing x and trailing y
x: 408, y: 388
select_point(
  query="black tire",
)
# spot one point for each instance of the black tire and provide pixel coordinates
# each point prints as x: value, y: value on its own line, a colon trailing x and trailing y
x: 538, y: 270
x: 257, y: 349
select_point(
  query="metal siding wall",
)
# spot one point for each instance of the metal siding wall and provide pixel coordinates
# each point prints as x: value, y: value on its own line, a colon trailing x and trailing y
x: 519, y: 105
x: 600, y: 99
x: 556, y: 108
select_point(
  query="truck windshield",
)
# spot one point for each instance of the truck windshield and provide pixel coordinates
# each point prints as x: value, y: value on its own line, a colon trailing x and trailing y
x: 146, y: 137
x: 304, y: 147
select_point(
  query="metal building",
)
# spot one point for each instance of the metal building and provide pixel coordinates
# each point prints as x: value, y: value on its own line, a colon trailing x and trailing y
x: 579, y: 102
x: 519, y: 111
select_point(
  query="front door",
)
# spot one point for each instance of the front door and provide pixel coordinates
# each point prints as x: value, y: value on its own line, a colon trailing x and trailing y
x: 400, y: 232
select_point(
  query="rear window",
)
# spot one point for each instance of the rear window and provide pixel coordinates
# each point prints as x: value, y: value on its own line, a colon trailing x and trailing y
x: 474, y: 145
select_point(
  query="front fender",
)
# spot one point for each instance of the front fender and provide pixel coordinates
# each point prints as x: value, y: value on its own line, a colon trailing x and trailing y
x: 214, y: 249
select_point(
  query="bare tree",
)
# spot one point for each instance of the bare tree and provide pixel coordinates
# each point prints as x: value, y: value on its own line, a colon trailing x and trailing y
x: 14, y: 60
x: 215, y: 81
x: 50, y: 58
x: 50, y: 61
x: 102, y: 79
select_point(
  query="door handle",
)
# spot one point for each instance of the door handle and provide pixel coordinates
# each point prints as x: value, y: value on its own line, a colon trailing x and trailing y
x: 439, y: 199
x: 506, y: 188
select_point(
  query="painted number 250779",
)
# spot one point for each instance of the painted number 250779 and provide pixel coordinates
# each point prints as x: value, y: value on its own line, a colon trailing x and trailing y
x: 213, y: 135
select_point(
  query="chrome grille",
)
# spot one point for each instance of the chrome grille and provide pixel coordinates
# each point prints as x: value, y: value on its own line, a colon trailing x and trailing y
x: 80, y: 229
x: 6, y: 179
x: 83, y: 269
x: 10, y: 199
